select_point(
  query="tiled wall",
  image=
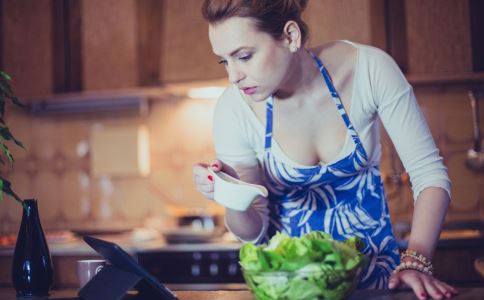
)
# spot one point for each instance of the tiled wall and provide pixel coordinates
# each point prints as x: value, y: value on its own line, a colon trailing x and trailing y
x: 55, y: 166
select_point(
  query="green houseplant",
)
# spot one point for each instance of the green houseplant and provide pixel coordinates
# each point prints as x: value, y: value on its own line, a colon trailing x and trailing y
x: 6, y: 93
x: 31, y: 246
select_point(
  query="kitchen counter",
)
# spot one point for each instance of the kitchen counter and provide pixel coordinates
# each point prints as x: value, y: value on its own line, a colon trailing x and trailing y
x: 464, y: 294
x: 216, y: 262
x: 66, y: 253
x: 77, y: 247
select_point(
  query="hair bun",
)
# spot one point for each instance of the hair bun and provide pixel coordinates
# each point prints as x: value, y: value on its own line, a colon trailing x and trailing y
x: 298, y: 5
x: 271, y: 15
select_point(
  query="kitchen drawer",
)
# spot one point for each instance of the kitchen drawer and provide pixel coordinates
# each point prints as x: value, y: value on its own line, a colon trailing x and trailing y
x: 188, y: 267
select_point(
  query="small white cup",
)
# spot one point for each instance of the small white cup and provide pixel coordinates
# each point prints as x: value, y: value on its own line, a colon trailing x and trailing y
x: 234, y: 193
x: 87, y: 269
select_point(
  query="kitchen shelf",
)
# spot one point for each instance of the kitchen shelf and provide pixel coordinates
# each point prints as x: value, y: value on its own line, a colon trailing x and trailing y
x: 428, y: 79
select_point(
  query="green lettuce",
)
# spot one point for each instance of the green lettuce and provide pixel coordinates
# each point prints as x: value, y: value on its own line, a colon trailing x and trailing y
x: 313, y: 266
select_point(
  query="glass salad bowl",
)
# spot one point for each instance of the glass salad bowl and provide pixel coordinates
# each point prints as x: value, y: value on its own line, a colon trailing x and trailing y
x: 302, y: 284
x: 313, y: 266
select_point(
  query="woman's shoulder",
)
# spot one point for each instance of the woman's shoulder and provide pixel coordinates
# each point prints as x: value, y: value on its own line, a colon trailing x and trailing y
x: 230, y: 96
x: 337, y: 56
x: 230, y: 100
x: 332, y: 47
x: 342, y: 50
x: 334, y: 50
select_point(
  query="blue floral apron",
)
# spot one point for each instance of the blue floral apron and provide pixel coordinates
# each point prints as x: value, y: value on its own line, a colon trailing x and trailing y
x: 344, y: 198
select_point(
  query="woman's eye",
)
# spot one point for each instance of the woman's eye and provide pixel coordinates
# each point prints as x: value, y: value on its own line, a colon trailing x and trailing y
x: 222, y: 62
x: 246, y: 57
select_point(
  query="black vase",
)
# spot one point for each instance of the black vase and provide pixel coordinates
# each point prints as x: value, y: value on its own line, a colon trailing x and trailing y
x: 32, y: 271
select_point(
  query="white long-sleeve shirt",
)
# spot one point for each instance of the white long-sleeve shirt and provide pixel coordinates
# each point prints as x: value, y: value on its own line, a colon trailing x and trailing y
x: 379, y: 90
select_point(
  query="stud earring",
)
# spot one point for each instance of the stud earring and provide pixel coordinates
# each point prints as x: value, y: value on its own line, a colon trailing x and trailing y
x: 294, y: 48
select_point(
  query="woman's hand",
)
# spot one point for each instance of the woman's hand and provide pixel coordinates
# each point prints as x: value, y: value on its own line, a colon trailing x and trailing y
x: 422, y: 284
x: 203, y: 179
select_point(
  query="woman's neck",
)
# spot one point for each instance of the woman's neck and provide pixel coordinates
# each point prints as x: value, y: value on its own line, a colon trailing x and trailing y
x: 301, y: 78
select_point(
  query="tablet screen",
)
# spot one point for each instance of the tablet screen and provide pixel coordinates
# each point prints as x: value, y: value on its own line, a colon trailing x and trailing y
x: 122, y: 260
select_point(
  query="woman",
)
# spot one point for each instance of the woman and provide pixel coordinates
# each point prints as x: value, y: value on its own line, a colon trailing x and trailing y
x: 304, y: 124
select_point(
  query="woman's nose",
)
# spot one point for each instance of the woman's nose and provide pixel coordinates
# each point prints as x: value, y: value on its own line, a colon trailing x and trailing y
x: 235, y: 75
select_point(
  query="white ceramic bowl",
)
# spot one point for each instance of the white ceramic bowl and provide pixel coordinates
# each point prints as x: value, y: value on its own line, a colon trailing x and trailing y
x: 234, y: 193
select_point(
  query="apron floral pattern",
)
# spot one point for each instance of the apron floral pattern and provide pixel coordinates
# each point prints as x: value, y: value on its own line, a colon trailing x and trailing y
x: 344, y: 198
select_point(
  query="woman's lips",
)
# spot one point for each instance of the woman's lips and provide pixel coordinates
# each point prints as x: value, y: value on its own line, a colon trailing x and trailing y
x: 249, y: 90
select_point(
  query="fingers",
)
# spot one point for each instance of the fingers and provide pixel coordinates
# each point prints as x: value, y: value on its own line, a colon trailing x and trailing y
x: 394, y: 281
x: 432, y: 288
x: 449, y: 289
x: 216, y: 165
x: 412, y: 279
x: 438, y: 289
x: 201, y: 175
x: 203, y: 180
x: 446, y: 290
x: 196, y: 168
x: 425, y: 285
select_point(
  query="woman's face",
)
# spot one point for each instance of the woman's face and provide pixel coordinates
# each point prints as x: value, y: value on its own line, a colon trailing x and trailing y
x: 255, y: 62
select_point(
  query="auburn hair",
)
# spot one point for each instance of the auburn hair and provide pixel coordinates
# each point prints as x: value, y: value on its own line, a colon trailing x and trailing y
x: 270, y: 15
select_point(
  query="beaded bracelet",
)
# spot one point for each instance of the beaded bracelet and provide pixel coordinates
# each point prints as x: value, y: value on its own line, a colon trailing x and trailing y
x: 417, y: 256
x: 413, y: 266
x: 422, y: 263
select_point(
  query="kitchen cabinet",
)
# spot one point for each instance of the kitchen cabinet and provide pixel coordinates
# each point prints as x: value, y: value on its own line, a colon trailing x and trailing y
x: 209, y: 266
x: 454, y: 261
x: 195, y: 266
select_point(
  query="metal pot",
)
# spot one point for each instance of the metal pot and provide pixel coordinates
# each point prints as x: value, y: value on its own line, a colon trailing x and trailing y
x: 194, y: 229
x: 198, y: 222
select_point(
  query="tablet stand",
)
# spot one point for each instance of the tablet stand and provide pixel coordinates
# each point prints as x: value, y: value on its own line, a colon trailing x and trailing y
x: 113, y: 283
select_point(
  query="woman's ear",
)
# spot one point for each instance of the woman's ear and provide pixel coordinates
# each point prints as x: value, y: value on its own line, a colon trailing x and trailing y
x: 292, y: 36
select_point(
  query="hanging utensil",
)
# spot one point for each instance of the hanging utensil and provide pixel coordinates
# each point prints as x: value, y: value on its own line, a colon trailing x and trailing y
x: 475, y: 155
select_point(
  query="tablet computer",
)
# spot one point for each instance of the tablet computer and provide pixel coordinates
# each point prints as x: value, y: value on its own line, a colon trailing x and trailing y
x: 119, y: 258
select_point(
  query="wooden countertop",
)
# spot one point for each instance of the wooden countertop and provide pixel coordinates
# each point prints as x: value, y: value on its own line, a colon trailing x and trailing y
x: 76, y: 247
x: 464, y: 294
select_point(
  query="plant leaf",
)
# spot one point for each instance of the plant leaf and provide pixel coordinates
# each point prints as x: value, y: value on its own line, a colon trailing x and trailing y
x: 5, y: 76
x: 6, y: 89
x: 2, y: 107
x: 7, y: 152
x: 19, y: 143
x: 7, y: 135
x: 17, y: 102
x: 7, y: 189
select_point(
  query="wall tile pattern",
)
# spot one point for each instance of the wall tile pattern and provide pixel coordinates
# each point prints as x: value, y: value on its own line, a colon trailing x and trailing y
x: 55, y: 168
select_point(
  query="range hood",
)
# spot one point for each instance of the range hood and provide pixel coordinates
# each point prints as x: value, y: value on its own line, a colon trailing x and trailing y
x: 91, y: 103
x: 123, y: 100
